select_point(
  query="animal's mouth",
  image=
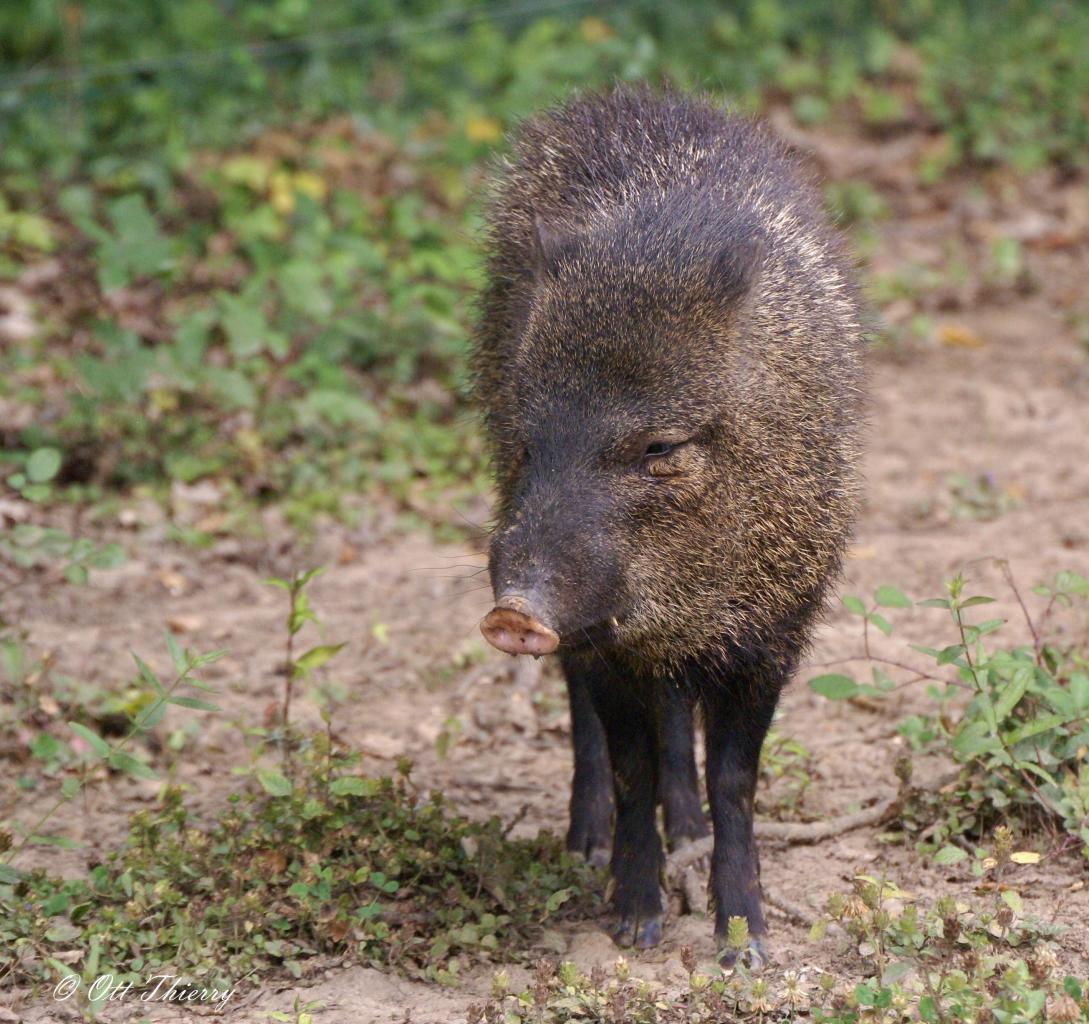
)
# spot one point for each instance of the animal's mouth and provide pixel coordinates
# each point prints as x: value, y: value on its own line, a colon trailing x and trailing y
x: 601, y: 633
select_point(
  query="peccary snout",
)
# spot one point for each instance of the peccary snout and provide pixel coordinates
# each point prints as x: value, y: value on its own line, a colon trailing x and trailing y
x: 514, y: 626
x: 554, y: 558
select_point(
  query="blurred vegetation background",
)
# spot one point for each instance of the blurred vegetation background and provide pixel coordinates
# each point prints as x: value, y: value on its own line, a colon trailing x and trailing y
x: 237, y: 237
x: 238, y: 255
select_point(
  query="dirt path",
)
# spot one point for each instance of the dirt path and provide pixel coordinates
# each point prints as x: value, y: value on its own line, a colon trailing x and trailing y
x: 1002, y: 405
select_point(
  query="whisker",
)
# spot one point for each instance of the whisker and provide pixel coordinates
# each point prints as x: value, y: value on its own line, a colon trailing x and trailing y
x: 462, y: 593
x: 477, y: 569
x: 597, y: 651
x: 448, y: 576
x: 465, y: 519
x: 609, y: 666
x: 472, y: 553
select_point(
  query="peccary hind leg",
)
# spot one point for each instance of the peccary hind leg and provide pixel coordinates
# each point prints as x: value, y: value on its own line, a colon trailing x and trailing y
x: 591, y: 826
x: 738, y: 712
x: 678, y: 783
x: 590, y: 832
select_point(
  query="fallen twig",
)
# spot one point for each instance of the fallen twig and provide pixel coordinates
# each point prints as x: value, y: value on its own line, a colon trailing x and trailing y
x: 788, y: 832
x: 815, y: 831
x: 694, y: 887
x: 791, y: 911
x: 516, y: 820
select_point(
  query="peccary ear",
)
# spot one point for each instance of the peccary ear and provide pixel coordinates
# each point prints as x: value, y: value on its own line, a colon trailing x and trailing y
x: 737, y: 266
x: 551, y: 243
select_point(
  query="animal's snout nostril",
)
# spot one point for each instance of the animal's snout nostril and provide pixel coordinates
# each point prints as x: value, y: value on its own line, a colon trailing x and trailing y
x: 509, y: 627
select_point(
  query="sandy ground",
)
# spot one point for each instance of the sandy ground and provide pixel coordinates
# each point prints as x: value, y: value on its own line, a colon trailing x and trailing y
x: 994, y: 392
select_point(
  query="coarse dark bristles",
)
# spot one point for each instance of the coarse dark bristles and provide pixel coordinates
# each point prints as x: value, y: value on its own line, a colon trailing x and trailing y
x: 656, y: 262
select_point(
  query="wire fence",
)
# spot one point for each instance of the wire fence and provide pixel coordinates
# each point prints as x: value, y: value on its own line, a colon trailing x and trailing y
x: 348, y: 38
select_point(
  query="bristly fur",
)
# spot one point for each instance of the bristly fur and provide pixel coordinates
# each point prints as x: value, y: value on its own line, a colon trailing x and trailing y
x: 655, y: 262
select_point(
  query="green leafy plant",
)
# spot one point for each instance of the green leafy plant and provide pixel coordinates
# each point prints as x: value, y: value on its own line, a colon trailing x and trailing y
x: 272, y: 308
x: 1016, y: 719
x: 944, y: 961
x: 336, y: 862
x: 786, y: 771
x: 25, y: 547
x: 978, y: 496
x: 115, y: 756
x: 133, y: 247
x: 38, y: 470
x: 301, y: 1013
x: 903, y: 958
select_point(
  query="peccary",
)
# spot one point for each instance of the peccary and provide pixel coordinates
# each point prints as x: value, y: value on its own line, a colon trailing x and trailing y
x: 669, y: 365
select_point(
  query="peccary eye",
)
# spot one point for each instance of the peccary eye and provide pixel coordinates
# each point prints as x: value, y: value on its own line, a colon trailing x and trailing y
x: 667, y: 458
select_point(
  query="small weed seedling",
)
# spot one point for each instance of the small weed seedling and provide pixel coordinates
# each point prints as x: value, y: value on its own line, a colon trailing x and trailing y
x: 299, y: 666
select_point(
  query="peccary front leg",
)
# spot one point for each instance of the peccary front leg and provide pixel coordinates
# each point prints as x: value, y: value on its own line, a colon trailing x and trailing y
x: 591, y: 827
x: 738, y: 712
x: 678, y: 782
x: 628, y: 715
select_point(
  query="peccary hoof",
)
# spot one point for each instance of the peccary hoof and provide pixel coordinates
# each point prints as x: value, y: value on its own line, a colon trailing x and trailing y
x: 642, y: 933
x: 755, y: 957
x: 590, y: 836
x: 596, y: 856
x: 599, y: 857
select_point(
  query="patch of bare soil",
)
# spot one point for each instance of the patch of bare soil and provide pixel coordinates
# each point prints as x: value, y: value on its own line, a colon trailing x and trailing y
x: 978, y: 451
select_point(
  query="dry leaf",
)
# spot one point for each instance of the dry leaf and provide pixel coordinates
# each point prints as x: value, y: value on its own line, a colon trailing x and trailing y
x: 956, y: 336
x: 184, y: 623
x: 594, y: 30
x: 271, y: 862
x: 173, y: 581
x: 483, y: 129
